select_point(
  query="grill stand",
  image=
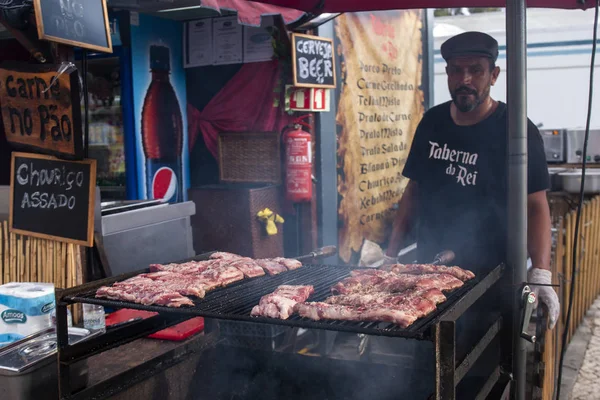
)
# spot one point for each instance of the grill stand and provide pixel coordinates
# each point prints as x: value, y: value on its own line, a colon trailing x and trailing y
x: 442, y: 333
x: 447, y: 374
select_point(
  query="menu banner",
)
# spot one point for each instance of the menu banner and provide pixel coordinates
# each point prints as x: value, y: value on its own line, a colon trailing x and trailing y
x: 380, y: 105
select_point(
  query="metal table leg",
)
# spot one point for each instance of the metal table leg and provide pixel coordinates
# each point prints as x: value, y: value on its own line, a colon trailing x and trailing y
x: 445, y: 360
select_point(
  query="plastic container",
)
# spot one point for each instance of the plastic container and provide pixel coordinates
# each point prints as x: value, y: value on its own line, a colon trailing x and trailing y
x: 94, y: 318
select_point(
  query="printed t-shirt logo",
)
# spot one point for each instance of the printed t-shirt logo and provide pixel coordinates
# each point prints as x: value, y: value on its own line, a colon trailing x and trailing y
x: 463, y: 164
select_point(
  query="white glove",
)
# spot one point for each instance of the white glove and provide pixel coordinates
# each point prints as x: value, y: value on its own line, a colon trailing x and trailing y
x: 545, y: 294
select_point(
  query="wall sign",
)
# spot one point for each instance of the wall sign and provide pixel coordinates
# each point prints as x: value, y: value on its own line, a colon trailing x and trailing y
x: 313, y: 60
x: 227, y: 41
x: 258, y: 44
x: 81, y: 23
x: 198, y: 43
x: 52, y: 198
x: 38, y: 113
x: 308, y: 99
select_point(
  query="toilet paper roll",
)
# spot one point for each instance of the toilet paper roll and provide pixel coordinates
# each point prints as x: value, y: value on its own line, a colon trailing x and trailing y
x: 24, y: 309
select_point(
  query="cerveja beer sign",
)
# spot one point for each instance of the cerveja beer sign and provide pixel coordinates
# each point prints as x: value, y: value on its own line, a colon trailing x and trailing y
x: 37, y: 109
x: 313, y: 61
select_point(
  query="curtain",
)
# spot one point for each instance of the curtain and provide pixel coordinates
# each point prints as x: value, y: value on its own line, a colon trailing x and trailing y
x: 244, y: 104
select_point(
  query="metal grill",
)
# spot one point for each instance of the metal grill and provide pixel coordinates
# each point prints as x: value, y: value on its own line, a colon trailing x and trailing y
x: 236, y: 301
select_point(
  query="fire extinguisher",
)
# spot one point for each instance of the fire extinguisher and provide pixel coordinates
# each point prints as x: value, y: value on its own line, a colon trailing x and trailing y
x: 298, y: 161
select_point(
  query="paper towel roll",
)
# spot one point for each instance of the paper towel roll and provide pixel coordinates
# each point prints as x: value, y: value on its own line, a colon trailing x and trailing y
x: 24, y: 309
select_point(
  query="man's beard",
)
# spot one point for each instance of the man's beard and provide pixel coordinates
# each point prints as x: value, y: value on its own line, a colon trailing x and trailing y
x: 466, y: 99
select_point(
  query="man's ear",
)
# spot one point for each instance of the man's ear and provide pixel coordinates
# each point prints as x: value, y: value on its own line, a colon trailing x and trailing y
x: 495, y: 73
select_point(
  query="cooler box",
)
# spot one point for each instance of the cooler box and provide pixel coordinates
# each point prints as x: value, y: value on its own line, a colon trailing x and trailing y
x: 226, y: 219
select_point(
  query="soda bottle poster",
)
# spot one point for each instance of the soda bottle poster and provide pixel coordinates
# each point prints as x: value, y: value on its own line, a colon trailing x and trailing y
x: 159, y: 93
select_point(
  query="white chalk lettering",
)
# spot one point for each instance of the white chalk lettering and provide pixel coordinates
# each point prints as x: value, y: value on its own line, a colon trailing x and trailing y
x: 25, y: 202
x: 79, y: 179
x: 22, y: 176
x: 47, y: 201
x: 61, y: 177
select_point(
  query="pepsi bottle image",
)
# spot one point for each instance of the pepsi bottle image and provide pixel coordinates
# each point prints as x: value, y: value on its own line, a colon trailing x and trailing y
x: 162, y: 131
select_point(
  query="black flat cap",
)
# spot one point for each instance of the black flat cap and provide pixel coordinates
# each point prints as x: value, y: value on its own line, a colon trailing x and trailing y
x: 470, y: 44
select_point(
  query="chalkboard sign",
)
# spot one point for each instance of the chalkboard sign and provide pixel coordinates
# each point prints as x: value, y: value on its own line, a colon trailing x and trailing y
x: 52, y: 198
x: 313, y: 59
x: 82, y: 23
x: 39, y: 112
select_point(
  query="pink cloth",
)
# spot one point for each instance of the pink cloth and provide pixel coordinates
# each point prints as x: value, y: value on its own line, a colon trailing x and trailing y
x: 250, y: 12
x: 244, y: 104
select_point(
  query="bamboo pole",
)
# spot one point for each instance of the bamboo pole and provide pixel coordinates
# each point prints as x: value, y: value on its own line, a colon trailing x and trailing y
x: 63, y: 265
x: 567, y: 265
x: 27, y: 258
x: 50, y: 265
x: 34, y: 264
x: 2, y: 239
x: 585, y: 251
x: 13, y: 258
x: 572, y: 277
x: 43, y: 255
x: 6, y: 252
x: 596, y: 238
x: 582, y: 263
x: 579, y: 265
x: 590, y: 256
x: 594, y: 255
x: 38, y: 252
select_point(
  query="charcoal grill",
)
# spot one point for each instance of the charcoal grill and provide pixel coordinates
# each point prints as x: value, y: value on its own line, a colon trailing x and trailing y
x: 235, y: 302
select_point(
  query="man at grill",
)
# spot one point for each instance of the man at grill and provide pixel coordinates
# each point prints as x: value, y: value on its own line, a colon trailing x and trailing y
x: 457, y: 171
x: 457, y: 168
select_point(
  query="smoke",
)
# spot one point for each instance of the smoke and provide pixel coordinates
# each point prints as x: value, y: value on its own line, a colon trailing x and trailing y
x: 399, y: 368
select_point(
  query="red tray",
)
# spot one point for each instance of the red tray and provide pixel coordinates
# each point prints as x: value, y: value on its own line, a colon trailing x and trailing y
x: 176, y: 332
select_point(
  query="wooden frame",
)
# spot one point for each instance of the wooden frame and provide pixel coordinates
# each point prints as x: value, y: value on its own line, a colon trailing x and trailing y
x: 76, y: 118
x: 91, y: 204
x: 43, y: 36
x: 294, y: 66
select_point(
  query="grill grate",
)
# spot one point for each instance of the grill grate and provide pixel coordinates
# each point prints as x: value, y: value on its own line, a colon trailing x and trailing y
x: 236, y: 301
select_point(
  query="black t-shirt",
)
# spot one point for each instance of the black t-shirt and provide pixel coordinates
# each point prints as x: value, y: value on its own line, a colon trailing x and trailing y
x: 462, y: 175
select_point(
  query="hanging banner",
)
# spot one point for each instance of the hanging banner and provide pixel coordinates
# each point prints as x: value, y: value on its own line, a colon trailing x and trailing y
x: 380, y: 105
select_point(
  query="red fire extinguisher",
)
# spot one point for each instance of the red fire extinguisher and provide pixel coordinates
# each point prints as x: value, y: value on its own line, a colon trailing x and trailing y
x: 298, y: 161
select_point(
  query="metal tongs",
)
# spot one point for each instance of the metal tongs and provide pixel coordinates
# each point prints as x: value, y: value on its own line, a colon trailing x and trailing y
x: 323, y: 252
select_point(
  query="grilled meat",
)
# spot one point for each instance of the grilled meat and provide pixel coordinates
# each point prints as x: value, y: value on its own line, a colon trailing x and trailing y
x: 280, y: 304
x: 420, y: 269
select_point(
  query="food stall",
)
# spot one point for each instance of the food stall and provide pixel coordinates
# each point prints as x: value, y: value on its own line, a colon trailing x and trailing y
x: 235, y: 302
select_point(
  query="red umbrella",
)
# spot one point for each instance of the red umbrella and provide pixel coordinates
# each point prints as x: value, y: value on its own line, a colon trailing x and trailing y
x: 337, y: 6
x: 250, y: 12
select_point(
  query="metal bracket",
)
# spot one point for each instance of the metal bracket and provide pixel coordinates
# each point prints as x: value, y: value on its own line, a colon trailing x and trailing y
x: 529, y: 300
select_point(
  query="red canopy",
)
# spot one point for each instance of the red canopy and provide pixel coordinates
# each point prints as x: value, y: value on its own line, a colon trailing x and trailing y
x: 250, y: 12
x: 337, y: 6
